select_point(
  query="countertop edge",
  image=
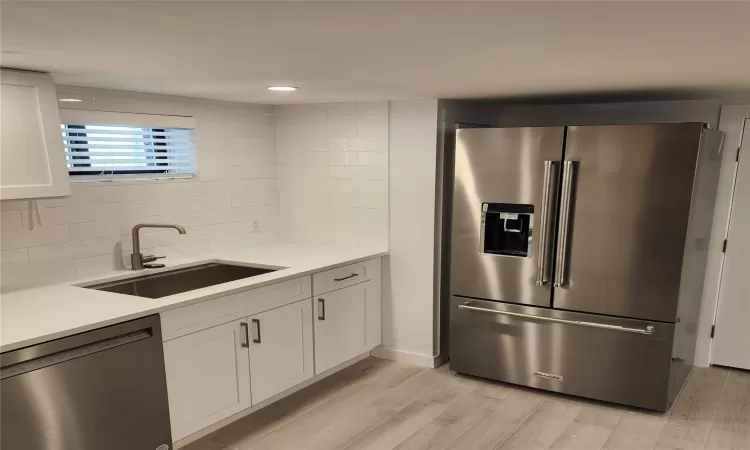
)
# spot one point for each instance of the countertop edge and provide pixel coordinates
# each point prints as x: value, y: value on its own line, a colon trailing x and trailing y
x: 249, y: 285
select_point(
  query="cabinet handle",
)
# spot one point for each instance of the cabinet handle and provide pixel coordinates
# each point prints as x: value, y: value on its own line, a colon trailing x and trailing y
x: 245, y: 338
x: 346, y: 278
x: 563, y: 232
x: 256, y: 331
x: 550, y: 172
x: 321, y: 309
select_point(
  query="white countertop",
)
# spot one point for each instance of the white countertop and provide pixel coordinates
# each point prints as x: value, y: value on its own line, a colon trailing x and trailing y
x: 36, y: 315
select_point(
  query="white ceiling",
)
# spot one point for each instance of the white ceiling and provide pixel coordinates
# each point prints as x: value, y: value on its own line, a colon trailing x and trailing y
x: 361, y: 51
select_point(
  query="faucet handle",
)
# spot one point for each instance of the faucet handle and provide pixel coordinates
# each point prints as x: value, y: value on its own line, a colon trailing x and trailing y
x: 150, y: 258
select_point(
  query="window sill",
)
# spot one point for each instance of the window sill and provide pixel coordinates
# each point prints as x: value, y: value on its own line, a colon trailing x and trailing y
x: 133, y: 179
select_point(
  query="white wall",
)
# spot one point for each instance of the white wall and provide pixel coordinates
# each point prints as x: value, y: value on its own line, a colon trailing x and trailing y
x: 732, y: 123
x: 333, y: 173
x: 53, y: 240
x: 408, y: 292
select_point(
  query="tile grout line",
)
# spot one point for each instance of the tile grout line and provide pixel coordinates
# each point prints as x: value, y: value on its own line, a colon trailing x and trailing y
x: 668, y: 414
x: 721, y: 399
x: 519, y: 425
x: 293, y: 418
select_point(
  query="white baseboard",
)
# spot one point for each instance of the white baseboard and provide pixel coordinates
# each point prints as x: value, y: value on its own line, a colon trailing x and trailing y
x: 403, y: 356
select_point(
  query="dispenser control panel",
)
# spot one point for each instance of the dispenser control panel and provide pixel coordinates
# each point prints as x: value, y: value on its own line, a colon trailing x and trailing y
x: 507, y: 229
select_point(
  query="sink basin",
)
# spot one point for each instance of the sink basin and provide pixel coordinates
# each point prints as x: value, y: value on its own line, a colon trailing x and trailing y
x: 172, y: 282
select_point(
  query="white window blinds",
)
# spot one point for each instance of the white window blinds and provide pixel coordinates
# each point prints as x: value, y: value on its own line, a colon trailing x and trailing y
x: 125, y: 150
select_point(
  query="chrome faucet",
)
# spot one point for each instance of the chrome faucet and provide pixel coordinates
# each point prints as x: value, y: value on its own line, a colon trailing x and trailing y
x: 136, y: 259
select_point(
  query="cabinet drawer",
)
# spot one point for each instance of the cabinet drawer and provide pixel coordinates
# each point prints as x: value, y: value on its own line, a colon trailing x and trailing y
x: 344, y: 276
x: 189, y: 319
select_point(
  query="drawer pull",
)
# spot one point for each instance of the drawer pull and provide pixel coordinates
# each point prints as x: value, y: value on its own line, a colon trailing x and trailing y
x: 648, y: 331
x: 321, y: 309
x: 256, y: 331
x: 245, y: 339
x: 346, y: 278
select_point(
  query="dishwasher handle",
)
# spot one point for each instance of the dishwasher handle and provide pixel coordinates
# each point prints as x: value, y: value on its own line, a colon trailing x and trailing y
x: 31, y: 364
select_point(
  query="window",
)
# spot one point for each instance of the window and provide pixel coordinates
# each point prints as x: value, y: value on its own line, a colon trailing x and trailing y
x: 123, y: 150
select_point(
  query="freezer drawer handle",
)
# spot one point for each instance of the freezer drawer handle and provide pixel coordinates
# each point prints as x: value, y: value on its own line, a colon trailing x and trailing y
x: 547, y: 197
x: 564, y: 230
x: 648, y: 331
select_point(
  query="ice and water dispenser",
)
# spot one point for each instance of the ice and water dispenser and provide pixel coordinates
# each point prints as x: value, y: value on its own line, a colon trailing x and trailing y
x: 506, y: 229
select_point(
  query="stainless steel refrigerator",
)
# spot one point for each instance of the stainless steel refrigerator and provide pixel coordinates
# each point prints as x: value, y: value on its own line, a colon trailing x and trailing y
x: 577, y: 256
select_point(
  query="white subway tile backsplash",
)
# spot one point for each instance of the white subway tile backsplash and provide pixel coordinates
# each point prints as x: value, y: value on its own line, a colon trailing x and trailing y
x: 121, y: 227
x: 88, y: 233
x: 313, y: 174
x: 373, y: 201
x: 37, y: 236
x: 20, y: 276
x: 318, y: 172
x: 342, y: 158
x: 216, y: 172
x: 373, y: 187
x: 104, y: 211
x: 350, y: 200
x: 74, y: 250
x: 322, y: 192
x: 14, y: 205
x: 305, y: 197
x: 14, y: 256
x: 10, y: 220
x: 255, y: 198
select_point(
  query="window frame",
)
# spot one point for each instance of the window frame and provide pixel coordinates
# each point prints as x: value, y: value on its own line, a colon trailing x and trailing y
x: 156, y: 123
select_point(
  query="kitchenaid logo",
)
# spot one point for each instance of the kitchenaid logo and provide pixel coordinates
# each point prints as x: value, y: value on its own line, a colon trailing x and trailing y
x: 550, y: 376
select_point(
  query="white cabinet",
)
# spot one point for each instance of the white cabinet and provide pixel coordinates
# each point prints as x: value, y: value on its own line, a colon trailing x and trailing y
x: 345, y: 326
x: 32, y: 159
x: 281, y: 349
x: 228, y: 354
x: 208, y: 377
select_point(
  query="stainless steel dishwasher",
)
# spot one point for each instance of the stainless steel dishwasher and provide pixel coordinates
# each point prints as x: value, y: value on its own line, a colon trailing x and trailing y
x: 103, y: 389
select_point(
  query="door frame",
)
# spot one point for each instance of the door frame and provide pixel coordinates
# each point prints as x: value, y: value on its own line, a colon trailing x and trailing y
x: 732, y: 123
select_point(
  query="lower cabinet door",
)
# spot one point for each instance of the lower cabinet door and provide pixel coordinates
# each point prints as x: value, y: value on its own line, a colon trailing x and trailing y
x: 341, y: 325
x: 208, y: 377
x: 281, y: 349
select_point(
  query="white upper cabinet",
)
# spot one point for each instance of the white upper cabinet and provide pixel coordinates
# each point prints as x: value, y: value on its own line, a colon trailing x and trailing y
x: 32, y: 159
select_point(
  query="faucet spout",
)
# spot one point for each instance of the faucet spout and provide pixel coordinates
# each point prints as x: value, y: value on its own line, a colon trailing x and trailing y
x: 137, y: 260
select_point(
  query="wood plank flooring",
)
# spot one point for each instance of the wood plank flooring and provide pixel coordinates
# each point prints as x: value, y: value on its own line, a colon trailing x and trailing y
x: 378, y: 404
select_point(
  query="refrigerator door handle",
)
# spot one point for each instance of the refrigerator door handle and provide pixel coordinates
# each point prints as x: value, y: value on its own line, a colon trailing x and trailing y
x: 563, y: 231
x: 648, y: 330
x: 542, y: 269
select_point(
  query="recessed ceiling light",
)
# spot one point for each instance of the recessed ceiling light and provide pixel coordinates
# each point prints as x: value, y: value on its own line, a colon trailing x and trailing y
x: 282, y: 88
x: 69, y: 100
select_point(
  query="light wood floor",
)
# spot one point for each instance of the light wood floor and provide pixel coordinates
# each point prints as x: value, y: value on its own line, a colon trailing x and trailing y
x: 378, y: 404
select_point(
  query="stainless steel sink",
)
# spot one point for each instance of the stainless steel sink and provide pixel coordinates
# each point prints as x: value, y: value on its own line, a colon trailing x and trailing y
x: 172, y: 282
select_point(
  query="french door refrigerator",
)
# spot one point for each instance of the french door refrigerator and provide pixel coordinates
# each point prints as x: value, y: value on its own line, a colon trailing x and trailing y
x: 577, y: 256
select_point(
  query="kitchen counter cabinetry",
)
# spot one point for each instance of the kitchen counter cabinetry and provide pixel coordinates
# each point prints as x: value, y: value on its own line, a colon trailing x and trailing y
x: 207, y: 377
x: 227, y: 355
x: 347, y: 319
